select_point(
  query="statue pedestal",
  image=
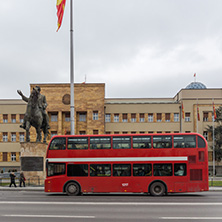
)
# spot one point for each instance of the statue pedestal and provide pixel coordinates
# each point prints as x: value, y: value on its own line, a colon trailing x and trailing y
x: 33, y: 162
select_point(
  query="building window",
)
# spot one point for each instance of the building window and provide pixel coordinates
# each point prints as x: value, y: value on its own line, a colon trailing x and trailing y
x: 116, y: 117
x: 205, y: 134
x: 142, y: 117
x: 95, y: 132
x: 54, y: 117
x: 150, y: 117
x: 5, y: 156
x: 133, y: 117
x: 67, y: 117
x: 176, y: 117
x: 95, y: 115
x: 205, y: 116
x: 125, y: 119
x: 167, y: 117
x: 5, y: 118
x: 5, y: 137
x: 21, y: 118
x: 67, y: 132
x: 107, y: 118
x: 13, y: 137
x: 159, y: 117
x: 53, y: 133
x: 82, y: 132
x: 13, y: 118
x: 187, y: 117
x: 13, y: 156
x: 82, y: 117
x: 21, y: 137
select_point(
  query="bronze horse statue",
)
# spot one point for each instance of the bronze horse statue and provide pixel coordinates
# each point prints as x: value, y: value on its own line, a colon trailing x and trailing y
x: 34, y: 117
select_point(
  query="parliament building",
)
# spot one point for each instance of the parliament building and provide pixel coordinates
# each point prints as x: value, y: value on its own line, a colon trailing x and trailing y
x: 95, y: 114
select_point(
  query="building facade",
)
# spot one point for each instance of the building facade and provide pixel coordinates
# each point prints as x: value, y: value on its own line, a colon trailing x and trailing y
x: 190, y: 110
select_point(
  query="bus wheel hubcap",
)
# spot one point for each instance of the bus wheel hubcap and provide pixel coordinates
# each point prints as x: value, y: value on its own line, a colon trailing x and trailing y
x: 157, y: 189
x: 72, y: 189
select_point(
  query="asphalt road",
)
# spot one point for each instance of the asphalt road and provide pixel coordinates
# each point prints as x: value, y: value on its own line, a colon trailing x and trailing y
x: 37, y: 206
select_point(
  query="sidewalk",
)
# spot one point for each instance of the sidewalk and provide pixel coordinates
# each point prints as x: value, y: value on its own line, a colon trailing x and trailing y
x: 6, y: 188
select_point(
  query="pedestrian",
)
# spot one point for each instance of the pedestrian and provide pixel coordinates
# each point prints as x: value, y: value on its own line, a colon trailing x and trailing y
x: 12, y: 177
x: 21, y: 179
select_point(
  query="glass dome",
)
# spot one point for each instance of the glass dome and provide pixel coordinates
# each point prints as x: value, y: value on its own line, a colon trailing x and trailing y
x: 196, y: 85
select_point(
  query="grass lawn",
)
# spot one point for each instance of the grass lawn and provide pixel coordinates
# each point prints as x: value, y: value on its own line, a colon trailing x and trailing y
x: 215, y: 183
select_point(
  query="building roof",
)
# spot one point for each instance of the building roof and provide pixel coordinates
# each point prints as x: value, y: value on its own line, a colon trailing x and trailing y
x: 196, y: 85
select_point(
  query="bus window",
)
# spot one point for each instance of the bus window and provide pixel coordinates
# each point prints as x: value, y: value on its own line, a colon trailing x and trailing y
x: 180, y: 169
x: 162, y: 142
x: 58, y: 143
x: 121, y: 170
x: 142, y: 170
x: 162, y: 169
x: 201, y: 142
x: 78, y: 170
x: 140, y: 142
x: 121, y: 142
x: 76, y: 143
x: 55, y: 169
x: 184, y: 141
x: 100, y: 142
x: 100, y: 170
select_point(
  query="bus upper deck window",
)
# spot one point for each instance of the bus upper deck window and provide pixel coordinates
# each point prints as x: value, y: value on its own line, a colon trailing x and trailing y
x: 121, y: 142
x: 140, y: 142
x: 78, y: 143
x: 58, y: 143
x: 100, y: 142
x: 201, y: 142
x: 184, y: 141
x: 162, y: 142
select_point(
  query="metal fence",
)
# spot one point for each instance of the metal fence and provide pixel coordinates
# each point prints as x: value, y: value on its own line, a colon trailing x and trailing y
x: 32, y: 181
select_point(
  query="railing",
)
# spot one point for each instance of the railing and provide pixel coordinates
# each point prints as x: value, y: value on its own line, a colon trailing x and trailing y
x: 32, y: 181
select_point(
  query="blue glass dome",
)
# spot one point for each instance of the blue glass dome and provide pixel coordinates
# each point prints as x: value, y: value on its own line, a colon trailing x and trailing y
x: 196, y: 85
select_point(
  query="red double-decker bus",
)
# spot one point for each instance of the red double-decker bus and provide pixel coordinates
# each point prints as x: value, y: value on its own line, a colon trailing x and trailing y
x: 149, y: 163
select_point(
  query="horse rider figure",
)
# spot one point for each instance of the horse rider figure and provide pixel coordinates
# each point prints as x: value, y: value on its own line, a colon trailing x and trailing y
x: 42, y: 104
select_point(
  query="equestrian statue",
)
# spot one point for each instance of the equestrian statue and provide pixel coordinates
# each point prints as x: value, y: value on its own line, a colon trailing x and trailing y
x: 36, y: 114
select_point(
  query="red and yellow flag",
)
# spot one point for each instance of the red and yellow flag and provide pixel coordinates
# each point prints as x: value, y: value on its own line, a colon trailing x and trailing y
x: 183, y: 114
x: 198, y: 113
x: 60, y: 11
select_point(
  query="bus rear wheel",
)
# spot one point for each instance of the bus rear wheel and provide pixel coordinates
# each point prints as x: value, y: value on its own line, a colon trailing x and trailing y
x: 72, y: 189
x: 157, y: 189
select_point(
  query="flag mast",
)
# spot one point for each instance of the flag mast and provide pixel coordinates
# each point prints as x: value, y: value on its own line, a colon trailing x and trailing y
x: 72, y: 111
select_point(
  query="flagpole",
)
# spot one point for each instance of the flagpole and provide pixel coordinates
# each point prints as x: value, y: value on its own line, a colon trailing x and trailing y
x: 197, y: 116
x: 72, y: 111
x: 213, y: 144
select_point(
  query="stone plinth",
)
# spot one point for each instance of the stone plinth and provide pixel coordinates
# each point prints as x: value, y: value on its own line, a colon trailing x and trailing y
x: 33, y: 162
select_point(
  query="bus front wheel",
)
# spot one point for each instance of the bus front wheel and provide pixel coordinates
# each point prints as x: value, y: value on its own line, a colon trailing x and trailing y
x: 72, y: 189
x: 157, y: 189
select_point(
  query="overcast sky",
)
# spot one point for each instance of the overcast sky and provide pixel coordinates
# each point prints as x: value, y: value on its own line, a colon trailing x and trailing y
x: 138, y: 48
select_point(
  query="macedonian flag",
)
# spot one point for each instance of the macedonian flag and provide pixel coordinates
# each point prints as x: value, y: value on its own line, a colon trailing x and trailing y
x: 60, y: 11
